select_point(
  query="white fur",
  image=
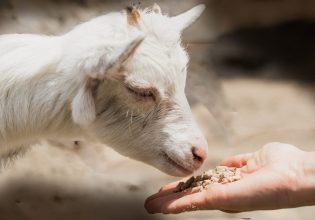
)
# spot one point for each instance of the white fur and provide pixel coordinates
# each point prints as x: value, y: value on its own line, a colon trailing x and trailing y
x: 74, y: 85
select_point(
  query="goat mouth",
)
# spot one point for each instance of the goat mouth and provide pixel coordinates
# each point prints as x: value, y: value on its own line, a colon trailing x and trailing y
x: 176, y: 165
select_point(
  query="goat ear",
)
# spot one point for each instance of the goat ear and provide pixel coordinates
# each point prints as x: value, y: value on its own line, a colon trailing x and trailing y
x: 83, y: 104
x: 185, y: 19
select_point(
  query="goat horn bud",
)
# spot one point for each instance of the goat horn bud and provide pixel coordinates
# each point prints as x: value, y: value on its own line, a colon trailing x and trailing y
x: 133, y: 16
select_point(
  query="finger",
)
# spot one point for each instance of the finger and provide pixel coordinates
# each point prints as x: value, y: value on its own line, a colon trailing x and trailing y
x: 251, y: 166
x: 237, y: 160
x: 155, y: 205
x: 160, y: 194
x: 165, y: 190
x: 190, y: 202
x: 171, y: 186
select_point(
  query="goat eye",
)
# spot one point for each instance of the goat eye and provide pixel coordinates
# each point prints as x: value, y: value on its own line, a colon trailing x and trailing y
x: 143, y: 93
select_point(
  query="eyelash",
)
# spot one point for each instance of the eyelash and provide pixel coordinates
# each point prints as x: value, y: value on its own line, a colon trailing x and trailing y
x: 142, y: 93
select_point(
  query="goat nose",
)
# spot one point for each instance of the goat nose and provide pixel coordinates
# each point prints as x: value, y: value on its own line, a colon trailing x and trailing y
x: 199, y: 154
x: 199, y: 151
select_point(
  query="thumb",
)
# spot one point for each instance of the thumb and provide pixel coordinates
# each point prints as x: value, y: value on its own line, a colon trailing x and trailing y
x: 237, y: 160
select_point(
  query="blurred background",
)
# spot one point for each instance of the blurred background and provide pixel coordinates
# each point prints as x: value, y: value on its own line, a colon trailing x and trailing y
x: 251, y: 81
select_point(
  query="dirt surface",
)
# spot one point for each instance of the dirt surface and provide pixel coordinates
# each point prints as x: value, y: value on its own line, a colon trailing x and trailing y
x: 91, y: 181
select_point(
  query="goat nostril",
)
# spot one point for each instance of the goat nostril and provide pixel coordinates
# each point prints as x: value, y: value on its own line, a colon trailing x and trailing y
x: 198, y: 154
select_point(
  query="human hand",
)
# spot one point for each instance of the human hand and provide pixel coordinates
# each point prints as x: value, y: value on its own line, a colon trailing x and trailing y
x: 274, y: 177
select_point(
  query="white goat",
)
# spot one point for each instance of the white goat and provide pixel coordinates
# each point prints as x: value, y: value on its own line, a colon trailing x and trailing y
x: 118, y: 79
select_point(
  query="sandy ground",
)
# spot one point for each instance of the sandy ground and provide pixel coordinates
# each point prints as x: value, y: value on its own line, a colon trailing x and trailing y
x: 94, y: 182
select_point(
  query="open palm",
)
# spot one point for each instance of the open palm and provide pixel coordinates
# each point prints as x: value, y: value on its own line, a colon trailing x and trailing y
x: 270, y: 180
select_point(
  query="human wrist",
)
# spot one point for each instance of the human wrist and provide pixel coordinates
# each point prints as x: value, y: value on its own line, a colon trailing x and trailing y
x: 303, y: 193
x: 309, y: 170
